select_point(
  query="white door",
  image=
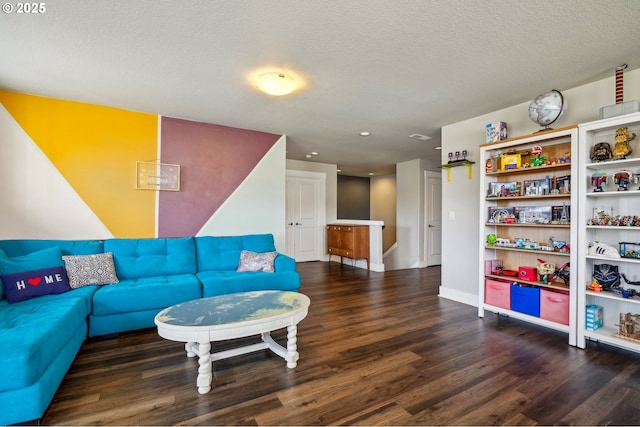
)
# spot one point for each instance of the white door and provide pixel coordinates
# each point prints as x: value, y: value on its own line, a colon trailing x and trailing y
x: 433, y: 218
x: 305, y: 218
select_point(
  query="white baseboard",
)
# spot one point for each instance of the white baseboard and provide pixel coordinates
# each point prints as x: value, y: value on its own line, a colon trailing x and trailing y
x: 463, y: 297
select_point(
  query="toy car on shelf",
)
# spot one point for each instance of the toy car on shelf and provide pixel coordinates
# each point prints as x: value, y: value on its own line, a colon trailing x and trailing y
x: 500, y: 271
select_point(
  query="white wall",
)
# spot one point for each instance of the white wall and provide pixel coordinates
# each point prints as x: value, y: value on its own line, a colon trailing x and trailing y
x: 460, y: 255
x: 263, y: 190
x: 383, y: 207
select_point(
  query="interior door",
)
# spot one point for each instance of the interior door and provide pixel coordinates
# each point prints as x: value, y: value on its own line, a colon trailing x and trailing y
x: 433, y: 214
x: 305, y: 219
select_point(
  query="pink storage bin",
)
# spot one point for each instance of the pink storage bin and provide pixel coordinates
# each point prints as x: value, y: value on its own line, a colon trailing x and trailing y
x: 554, y: 306
x: 497, y: 293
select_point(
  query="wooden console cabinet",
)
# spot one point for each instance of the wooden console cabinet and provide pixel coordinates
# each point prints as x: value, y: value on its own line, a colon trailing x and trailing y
x: 350, y: 241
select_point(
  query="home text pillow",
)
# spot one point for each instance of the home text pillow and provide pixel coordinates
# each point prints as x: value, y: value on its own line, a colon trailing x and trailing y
x: 95, y: 269
x: 254, y: 261
x: 36, y: 274
x: 30, y: 284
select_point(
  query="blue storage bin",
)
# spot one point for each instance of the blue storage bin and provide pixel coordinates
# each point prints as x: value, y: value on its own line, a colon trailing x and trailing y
x: 525, y: 299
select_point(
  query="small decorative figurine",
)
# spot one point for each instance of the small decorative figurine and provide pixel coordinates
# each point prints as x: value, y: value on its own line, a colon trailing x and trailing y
x: 622, y: 148
x: 598, y: 180
x: 601, y: 152
x: 491, y: 239
x: 622, y: 178
x: 488, y: 166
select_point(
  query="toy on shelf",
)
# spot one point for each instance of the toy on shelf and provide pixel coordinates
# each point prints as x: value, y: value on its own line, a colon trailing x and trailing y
x: 501, y: 271
x: 491, y: 239
x: 601, y: 152
x: 559, y: 246
x: 622, y: 178
x: 546, y: 270
x: 629, y: 250
x: 594, y: 286
x: 607, y: 275
x: 599, y: 180
x: 601, y: 218
x: 562, y: 273
x: 622, y: 148
x: 629, y: 327
x: 602, y: 249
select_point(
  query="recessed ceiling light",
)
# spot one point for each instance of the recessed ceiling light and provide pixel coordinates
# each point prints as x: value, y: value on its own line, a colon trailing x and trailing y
x: 365, y: 133
x: 338, y: 170
x: 370, y: 173
x: 437, y: 148
x: 308, y: 156
x: 314, y: 153
x: 275, y: 83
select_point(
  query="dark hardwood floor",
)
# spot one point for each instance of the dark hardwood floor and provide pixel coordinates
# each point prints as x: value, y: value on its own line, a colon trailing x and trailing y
x: 375, y: 349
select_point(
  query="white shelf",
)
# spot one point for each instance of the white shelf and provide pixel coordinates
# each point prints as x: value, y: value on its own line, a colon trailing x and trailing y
x: 527, y: 317
x: 620, y: 203
x: 555, y: 144
x: 609, y: 260
x: 615, y: 297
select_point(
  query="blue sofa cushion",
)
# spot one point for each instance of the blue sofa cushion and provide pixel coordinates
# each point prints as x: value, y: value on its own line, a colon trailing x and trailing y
x: 145, y: 294
x: 139, y: 258
x: 68, y: 247
x: 217, y: 253
x: 33, y: 334
x: 226, y: 282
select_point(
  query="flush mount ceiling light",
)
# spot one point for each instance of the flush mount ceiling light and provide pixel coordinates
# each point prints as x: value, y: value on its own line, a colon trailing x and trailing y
x: 365, y: 133
x: 275, y: 83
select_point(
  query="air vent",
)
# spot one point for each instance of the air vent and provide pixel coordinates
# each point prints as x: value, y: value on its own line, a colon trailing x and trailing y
x: 420, y: 137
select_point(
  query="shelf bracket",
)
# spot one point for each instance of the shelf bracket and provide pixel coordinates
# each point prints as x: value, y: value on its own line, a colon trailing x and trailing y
x: 457, y: 163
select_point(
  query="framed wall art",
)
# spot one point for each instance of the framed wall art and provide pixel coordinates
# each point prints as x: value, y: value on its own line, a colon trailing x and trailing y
x: 157, y: 176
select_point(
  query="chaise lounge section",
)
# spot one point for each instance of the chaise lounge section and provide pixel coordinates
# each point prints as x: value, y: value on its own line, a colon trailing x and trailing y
x: 115, y: 285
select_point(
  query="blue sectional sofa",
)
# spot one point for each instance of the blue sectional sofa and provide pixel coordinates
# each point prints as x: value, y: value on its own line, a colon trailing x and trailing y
x: 41, y: 335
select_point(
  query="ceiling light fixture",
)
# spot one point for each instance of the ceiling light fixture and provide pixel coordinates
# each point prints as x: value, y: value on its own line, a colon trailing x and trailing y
x: 275, y: 83
x: 365, y: 133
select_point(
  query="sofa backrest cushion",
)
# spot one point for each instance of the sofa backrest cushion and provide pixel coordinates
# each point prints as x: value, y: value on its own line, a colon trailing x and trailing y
x: 219, y: 253
x: 139, y: 258
x: 68, y: 247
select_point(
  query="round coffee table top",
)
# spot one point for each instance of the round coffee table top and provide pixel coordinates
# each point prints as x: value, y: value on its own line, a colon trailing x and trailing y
x: 242, y: 307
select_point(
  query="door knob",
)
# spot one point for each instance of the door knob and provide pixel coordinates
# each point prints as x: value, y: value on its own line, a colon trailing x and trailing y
x: 290, y: 223
x: 298, y: 223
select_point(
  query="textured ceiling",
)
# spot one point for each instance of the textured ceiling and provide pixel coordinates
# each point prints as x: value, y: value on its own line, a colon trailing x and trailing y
x: 393, y: 68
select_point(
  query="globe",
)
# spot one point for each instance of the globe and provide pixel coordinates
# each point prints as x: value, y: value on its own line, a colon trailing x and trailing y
x: 546, y: 108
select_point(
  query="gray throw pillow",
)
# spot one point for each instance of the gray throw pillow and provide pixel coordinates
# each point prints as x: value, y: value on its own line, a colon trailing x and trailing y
x: 95, y: 269
x: 254, y: 261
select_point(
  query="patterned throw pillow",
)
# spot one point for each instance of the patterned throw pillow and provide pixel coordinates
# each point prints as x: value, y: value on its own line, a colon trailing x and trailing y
x: 254, y: 261
x: 95, y: 269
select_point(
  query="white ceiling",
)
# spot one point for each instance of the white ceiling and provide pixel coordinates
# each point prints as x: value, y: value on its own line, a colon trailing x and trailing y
x: 393, y: 68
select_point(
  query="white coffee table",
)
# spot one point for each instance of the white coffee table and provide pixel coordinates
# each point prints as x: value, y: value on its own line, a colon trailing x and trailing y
x: 202, y: 321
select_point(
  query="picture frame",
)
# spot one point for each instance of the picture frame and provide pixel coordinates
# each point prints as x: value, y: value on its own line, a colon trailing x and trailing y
x: 157, y: 176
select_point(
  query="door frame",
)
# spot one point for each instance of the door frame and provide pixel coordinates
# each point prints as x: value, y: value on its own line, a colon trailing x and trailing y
x: 426, y: 246
x: 321, y: 209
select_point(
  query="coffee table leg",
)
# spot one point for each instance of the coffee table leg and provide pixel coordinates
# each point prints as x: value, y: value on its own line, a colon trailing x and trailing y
x: 204, y: 370
x: 292, y: 346
x: 192, y: 349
